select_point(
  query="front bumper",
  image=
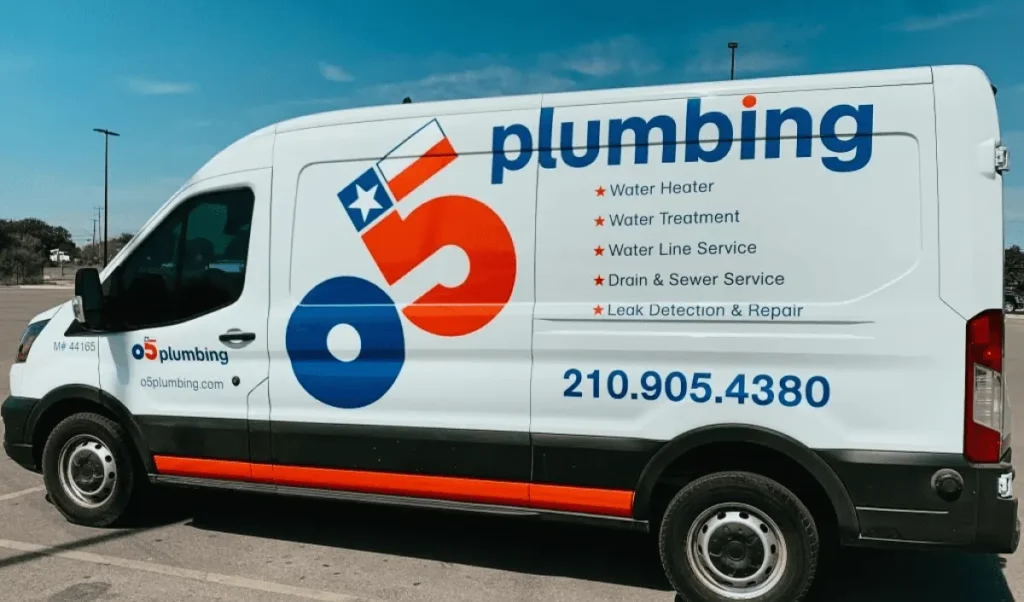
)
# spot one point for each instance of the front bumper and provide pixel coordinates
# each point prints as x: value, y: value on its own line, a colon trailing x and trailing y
x: 15, y: 412
x: 899, y: 502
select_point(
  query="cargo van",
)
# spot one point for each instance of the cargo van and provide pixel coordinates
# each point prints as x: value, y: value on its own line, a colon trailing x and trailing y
x: 740, y: 315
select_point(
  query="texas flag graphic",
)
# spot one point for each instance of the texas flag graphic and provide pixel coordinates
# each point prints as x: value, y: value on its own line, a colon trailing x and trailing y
x: 404, y: 169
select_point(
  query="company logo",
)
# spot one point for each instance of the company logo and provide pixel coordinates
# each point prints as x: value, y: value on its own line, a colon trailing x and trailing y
x: 398, y: 245
x: 707, y: 136
x: 149, y: 350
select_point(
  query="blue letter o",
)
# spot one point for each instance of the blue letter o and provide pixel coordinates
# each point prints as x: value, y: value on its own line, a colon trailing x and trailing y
x: 372, y: 313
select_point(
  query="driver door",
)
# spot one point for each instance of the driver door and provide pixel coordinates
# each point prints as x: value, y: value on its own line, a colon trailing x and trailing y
x: 189, y: 303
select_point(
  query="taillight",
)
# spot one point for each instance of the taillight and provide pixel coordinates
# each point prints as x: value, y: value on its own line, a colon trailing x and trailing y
x: 985, y: 422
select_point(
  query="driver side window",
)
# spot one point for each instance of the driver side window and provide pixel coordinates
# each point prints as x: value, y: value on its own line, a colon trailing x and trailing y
x: 189, y: 265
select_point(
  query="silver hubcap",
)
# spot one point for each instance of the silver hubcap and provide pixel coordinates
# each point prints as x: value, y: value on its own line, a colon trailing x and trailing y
x: 736, y: 551
x: 87, y: 471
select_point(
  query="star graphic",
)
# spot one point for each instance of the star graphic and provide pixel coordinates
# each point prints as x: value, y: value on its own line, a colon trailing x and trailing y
x: 365, y: 201
x: 599, y: 221
x: 598, y: 310
x: 599, y: 281
x: 599, y: 190
x: 599, y: 250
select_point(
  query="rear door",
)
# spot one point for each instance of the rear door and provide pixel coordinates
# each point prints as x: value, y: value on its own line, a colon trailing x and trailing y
x: 192, y: 299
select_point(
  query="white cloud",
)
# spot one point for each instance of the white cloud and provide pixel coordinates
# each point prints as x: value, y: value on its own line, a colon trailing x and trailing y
x: 483, y: 76
x: 621, y: 55
x: 265, y: 114
x: 495, y: 80
x: 764, y: 48
x: 156, y: 87
x: 326, y: 101
x: 940, y: 21
x: 763, y: 61
x: 334, y: 73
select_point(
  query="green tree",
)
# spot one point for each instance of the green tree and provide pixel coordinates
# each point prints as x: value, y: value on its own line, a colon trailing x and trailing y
x: 25, y: 246
x: 1013, y: 267
x: 92, y: 253
x: 22, y: 261
x: 50, y: 237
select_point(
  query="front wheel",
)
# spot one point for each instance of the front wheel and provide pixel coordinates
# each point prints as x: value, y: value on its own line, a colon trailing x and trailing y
x: 1009, y: 307
x: 738, y: 536
x: 89, y: 470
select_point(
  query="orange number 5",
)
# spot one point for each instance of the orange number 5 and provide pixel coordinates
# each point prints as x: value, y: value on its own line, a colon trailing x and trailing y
x: 399, y: 245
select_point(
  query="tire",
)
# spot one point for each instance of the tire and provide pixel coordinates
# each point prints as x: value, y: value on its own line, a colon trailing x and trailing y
x: 735, y: 506
x: 101, y: 449
x: 1009, y: 307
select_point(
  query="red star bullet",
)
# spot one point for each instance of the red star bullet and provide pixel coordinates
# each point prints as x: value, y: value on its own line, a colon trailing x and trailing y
x: 599, y: 281
x: 599, y: 251
x: 599, y: 190
x: 598, y: 221
x: 598, y: 310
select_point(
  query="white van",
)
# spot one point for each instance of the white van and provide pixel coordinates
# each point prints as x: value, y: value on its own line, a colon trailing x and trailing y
x: 743, y: 315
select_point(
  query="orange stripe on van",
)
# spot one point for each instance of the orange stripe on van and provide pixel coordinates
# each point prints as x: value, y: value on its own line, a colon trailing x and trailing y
x: 582, y: 499
x: 545, y: 497
x: 422, y: 169
x: 448, y: 488
x: 206, y: 469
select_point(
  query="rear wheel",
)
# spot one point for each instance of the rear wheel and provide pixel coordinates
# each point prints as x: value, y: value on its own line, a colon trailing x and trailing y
x: 1009, y: 307
x: 89, y: 470
x: 738, y: 536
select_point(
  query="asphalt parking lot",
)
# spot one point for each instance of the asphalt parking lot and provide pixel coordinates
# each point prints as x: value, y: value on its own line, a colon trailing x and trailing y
x: 207, y: 546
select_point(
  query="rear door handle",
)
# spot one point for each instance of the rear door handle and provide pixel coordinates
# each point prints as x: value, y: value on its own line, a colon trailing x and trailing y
x: 237, y: 336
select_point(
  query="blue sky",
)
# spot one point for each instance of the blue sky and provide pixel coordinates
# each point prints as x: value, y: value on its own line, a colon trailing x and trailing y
x: 180, y: 80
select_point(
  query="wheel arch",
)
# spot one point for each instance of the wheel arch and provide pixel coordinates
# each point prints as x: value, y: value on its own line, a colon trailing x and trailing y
x: 717, y: 435
x: 71, y: 399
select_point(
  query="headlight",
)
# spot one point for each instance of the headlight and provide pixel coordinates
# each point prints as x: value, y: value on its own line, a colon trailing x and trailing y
x: 28, y: 338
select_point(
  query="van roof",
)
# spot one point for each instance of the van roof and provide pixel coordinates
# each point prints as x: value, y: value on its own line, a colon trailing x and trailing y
x: 857, y: 79
x: 255, y: 150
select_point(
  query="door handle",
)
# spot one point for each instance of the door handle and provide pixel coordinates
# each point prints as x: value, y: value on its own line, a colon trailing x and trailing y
x: 237, y: 336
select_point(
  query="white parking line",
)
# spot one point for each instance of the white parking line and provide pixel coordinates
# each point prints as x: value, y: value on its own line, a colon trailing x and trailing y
x: 181, y: 573
x: 23, y: 492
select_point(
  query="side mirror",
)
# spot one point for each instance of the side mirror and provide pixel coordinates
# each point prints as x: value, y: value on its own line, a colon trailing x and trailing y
x: 88, y: 301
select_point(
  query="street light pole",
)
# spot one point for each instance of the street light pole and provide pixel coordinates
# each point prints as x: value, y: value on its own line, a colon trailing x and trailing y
x: 106, y: 174
x: 732, y: 61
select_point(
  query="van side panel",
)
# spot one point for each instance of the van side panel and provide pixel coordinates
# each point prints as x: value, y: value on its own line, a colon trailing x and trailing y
x: 402, y: 303
x: 781, y: 273
x: 970, y: 191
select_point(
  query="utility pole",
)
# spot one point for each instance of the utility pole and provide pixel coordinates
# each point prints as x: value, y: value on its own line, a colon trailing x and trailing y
x: 106, y: 199
x: 732, y: 60
x: 95, y: 238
